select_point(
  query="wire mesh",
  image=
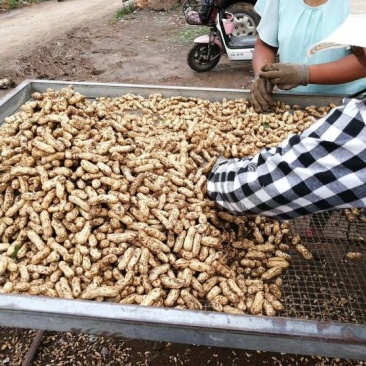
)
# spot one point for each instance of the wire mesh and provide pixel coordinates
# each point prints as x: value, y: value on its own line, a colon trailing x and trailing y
x: 330, y: 287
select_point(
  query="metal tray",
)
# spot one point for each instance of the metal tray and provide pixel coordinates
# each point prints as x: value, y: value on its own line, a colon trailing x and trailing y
x: 325, y: 300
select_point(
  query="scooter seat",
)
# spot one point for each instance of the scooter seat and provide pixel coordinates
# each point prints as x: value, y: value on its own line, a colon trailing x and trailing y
x: 244, y: 42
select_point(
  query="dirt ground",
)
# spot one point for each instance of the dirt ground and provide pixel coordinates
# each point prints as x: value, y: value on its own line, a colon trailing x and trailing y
x: 78, y: 40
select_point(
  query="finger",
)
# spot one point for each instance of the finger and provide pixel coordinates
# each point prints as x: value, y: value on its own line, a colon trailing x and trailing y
x: 265, y: 90
x: 266, y: 100
x: 268, y: 67
x: 269, y: 101
x: 256, y: 106
x: 285, y: 86
x: 275, y: 74
x: 358, y: 51
x: 259, y: 95
x: 257, y: 101
x: 261, y: 100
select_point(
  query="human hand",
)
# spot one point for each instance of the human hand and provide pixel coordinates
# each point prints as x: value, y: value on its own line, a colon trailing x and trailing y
x: 285, y: 76
x: 260, y: 94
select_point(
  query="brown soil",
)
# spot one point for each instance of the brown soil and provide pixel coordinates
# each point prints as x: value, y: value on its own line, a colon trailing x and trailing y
x: 145, y: 47
x: 78, y: 40
x: 66, y: 349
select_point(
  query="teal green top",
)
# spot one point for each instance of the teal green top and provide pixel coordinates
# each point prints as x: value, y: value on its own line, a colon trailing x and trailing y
x: 293, y: 27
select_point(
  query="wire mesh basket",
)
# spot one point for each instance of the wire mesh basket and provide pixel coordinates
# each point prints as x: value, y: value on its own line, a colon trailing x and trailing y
x: 197, y: 12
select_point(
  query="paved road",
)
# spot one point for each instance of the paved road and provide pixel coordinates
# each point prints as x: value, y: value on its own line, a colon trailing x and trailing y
x: 24, y: 29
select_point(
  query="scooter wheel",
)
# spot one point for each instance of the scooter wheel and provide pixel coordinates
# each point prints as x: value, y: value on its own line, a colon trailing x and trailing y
x: 245, y: 19
x: 198, y: 56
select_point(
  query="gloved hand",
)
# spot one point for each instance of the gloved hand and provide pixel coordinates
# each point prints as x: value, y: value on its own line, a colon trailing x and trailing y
x: 260, y: 94
x: 286, y: 76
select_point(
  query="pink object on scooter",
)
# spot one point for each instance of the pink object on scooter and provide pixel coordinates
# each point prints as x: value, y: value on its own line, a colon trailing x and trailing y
x: 207, y: 50
x: 228, y: 22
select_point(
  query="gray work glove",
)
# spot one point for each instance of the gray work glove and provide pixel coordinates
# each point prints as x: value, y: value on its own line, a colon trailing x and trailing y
x: 261, y: 94
x: 286, y: 76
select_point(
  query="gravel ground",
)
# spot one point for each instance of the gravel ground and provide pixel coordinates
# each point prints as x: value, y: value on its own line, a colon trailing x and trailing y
x: 66, y: 349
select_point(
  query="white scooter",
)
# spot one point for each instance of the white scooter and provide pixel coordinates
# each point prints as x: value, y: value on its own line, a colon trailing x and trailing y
x: 206, y: 52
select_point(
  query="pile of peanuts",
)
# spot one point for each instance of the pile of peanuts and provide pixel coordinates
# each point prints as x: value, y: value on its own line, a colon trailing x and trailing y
x: 106, y: 200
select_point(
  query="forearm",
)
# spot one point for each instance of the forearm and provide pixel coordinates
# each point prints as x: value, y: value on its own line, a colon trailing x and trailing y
x: 262, y: 54
x: 248, y: 186
x: 345, y: 70
x: 321, y: 169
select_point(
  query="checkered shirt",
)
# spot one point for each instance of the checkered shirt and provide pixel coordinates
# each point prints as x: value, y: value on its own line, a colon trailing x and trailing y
x: 323, y: 168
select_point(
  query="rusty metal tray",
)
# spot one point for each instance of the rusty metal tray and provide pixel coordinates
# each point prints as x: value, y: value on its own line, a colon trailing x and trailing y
x: 325, y: 299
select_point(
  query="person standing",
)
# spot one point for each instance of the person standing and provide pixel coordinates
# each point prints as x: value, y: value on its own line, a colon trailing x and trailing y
x: 321, y: 169
x: 288, y: 28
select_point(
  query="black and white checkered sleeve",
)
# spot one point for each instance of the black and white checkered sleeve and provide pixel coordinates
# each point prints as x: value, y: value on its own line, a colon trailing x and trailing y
x: 323, y: 168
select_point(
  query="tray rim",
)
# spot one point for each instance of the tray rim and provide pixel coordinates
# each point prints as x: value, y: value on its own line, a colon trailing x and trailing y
x: 11, y: 101
x: 276, y: 334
